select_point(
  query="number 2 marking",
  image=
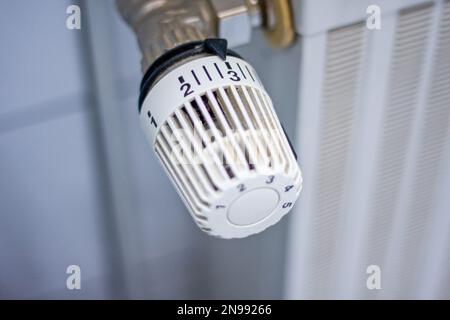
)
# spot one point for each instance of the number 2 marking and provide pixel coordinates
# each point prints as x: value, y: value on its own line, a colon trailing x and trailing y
x: 187, y: 89
x: 241, y: 187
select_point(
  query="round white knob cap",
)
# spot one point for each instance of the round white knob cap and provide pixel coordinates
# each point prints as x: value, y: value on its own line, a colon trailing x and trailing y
x: 253, y: 206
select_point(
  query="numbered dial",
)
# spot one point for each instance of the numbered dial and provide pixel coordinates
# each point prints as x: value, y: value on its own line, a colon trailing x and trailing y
x: 214, y: 129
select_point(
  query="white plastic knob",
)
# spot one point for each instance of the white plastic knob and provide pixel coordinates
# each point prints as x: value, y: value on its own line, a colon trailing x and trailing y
x: 214, y: 129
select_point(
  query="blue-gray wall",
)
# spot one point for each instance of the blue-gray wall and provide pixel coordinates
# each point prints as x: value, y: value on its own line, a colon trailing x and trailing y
x: 64, y: 201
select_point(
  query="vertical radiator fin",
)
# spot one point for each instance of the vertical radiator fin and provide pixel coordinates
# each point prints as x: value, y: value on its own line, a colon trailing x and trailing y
x: 399, y: 115
x: 337, y: 117
x: 433, y: 136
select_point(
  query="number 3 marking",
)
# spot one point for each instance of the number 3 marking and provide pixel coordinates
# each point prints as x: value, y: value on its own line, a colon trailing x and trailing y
x: 234, y: 75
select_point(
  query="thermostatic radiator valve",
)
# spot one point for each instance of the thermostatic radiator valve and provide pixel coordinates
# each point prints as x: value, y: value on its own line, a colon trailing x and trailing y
x: 212, y: 125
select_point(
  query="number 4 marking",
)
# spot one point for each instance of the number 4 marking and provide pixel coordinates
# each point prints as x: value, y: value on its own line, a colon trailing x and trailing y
x: 287, y: 188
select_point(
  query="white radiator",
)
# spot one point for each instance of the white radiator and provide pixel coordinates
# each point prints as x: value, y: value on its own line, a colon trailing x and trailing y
x: 373, y: 135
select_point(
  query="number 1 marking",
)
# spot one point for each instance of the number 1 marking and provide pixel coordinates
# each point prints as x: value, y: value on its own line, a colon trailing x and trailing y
x: 152, y: 119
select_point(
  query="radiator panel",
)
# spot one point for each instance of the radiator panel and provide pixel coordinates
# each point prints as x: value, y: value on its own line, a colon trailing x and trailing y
x: 375, y: 140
